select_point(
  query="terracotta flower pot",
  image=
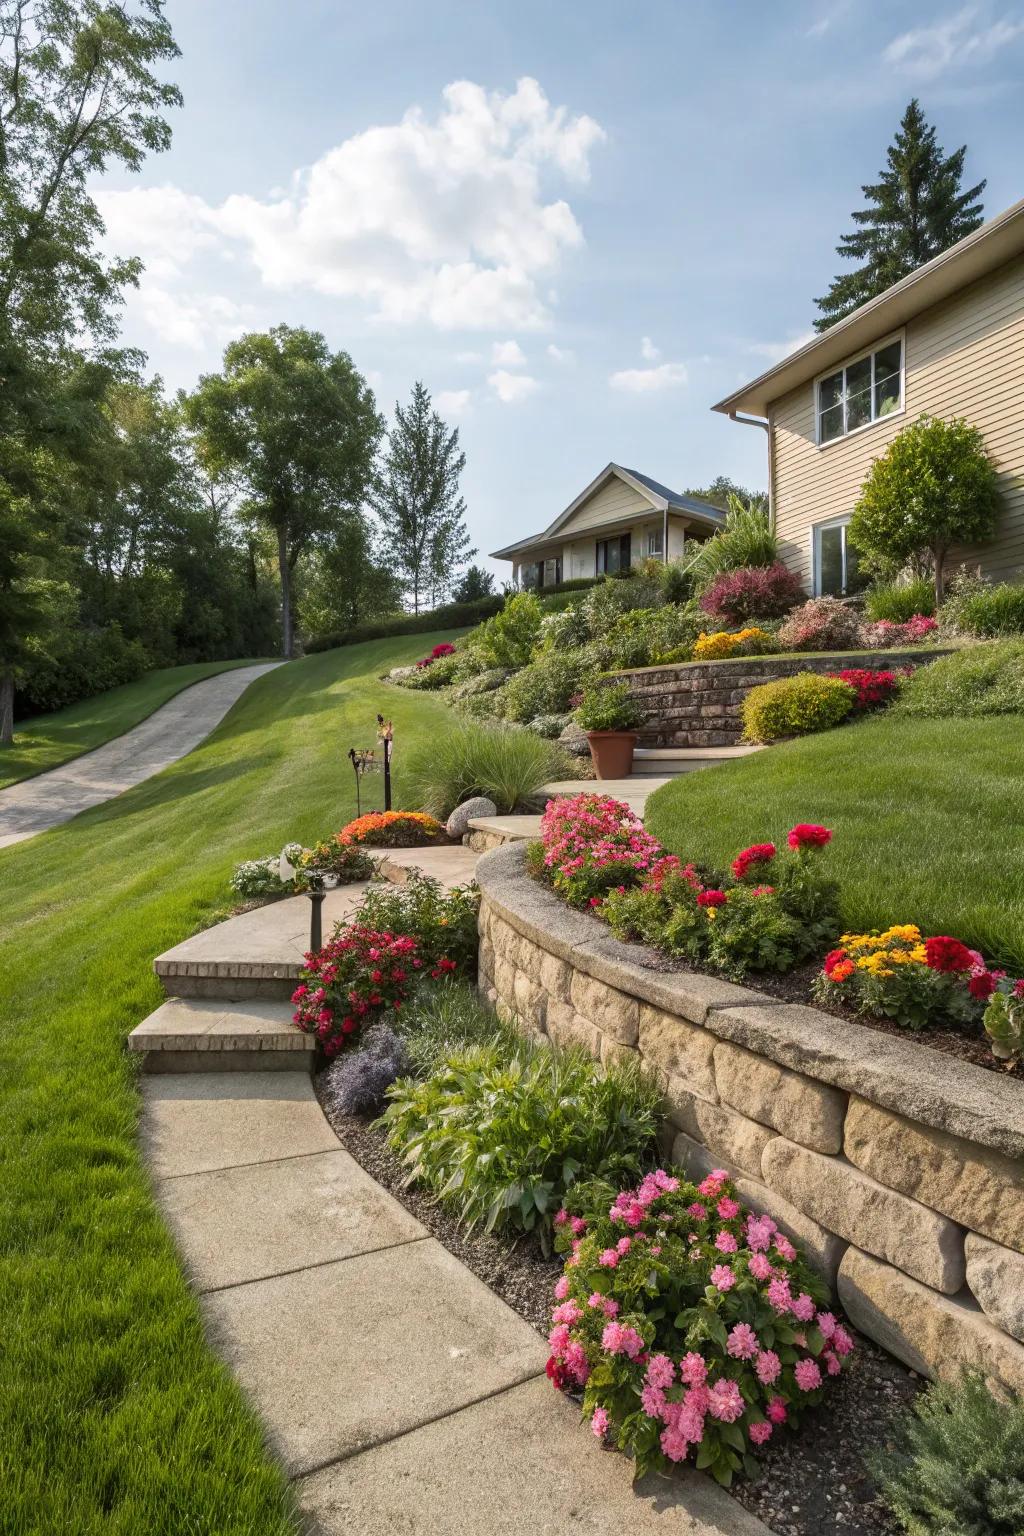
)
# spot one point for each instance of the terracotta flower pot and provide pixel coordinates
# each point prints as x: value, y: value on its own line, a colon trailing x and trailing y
x: 612, y: 752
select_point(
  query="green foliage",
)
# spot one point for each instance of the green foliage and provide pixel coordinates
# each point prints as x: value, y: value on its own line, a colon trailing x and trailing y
x: 898, y: 601
x: 447, y: 1020
x: 917, y: 209
x: 643, y: 636
x: 440, y: 674
x: 793, y: 706
x: 934, y: 486
x: 985, y: 611
x: 507, y: 765
x: 257, y: 879
x: 617, y: 595
x: 747, y: 539
x: 982, y: 680
x: 446, y: 616
x: 566, y: 630
x: 442, y: 923
x: 609, y: 707
x: 546, y: 686
x: 508, y: 639
x: 502, y: 1137
x: 957, y: 1465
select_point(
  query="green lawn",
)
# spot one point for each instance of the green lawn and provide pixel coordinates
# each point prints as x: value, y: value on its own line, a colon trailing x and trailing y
x: 928, y: 817
x: 114, y: 1417
x: 46, y: 741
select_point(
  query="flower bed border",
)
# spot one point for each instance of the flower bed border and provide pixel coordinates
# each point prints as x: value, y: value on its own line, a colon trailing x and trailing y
x: 900, y: 1169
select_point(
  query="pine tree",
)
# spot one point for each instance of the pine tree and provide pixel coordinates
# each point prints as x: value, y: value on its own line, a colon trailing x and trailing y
x: 917, y: 209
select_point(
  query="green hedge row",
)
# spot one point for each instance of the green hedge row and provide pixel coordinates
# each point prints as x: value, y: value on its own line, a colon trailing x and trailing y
x: 448, y: 616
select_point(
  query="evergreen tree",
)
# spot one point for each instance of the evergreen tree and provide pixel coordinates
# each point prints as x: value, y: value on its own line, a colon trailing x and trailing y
x: 417, y: 499
x: 474, y: 584
x: 917, y: 209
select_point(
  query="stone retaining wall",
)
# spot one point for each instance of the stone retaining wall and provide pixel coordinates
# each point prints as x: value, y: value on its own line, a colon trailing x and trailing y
x: 697, y: 704
x: 899, y: 1170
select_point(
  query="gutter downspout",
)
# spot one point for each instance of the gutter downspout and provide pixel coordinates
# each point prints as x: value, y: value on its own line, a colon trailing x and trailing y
x: 664, y: 536
x: 765, y: 425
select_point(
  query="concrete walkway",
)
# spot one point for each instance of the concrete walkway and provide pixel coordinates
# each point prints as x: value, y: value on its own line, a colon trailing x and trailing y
x: 177, y: 727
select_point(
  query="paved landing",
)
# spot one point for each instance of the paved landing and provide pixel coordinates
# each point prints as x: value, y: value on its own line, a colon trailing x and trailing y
x: 267, y: 938
x: 170, y: 732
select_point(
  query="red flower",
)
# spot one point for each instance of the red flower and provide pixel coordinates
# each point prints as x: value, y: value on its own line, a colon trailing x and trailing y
x: 946, y: 954
x: 758, y: 853
x: 556, y: 1373
x: 832, y: 959
x: 982, y: 985
x: 712, y: 899
x: 807, y: 835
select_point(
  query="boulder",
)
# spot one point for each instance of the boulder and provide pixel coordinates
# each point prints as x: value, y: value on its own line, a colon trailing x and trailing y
x: 478, y: 805
x: 574, y: 740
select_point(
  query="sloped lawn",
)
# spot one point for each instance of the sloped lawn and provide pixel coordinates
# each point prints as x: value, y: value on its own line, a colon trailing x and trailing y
x: 928, y: 817
x: 114, y: 1416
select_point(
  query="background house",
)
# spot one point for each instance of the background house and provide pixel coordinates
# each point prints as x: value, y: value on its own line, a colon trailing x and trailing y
x: 621, y: 518
x: 949, y: 341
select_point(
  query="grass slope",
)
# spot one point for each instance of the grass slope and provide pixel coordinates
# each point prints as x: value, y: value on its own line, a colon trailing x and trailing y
x: 114, y: 1416
x: 928, y: 818
x: 47, y: 741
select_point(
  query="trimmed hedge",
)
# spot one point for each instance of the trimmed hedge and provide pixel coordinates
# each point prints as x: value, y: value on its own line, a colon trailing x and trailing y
x: 794, y: 706
x: 448, y: 616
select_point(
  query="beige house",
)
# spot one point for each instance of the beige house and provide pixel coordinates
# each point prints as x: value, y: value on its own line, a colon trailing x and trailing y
x: 947, y: 340
x: 621, y: 518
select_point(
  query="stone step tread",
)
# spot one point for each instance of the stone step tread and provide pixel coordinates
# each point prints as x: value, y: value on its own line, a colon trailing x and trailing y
x: 268, y: 942
x: 512, y: 828
x: 681, y: 754
x: 198, y: 1024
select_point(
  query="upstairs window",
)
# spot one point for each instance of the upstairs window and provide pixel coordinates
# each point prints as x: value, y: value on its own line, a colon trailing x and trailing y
x: 861, y: 392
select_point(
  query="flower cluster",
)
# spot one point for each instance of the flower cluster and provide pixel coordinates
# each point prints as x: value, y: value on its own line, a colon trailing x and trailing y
x: 590, y: 844
x: 870, y: 687
x: 391, y: 829
x: 723, y: 643
x: 905, y: 976
x: 444, y: 649
x: 352, y: 981
x: 887, y: 633
x: 691, y: 1326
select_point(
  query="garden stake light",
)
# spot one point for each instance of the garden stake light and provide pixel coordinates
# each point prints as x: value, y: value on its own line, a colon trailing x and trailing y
x: 365, y: 760
x: 316, y: 894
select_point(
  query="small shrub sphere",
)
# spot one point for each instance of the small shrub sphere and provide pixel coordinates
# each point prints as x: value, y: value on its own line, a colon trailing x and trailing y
x: 795, y: 706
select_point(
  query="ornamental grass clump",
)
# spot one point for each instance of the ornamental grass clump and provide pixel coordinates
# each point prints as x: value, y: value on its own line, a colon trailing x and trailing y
x: 693, y: 1328
x: 589, y: 844
x: 507, y: 765
x: 900, y: 974
x: 501, y: 1135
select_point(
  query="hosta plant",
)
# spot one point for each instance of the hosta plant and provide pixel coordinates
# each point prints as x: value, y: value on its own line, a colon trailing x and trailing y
x: 693, y: 1328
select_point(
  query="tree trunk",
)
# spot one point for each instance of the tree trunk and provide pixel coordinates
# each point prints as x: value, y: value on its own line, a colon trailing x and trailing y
x: 6, y: 708
x: 940, y: 559
x: 286, y: 595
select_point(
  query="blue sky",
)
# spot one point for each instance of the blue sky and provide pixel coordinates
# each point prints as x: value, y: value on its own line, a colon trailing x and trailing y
x: 579, y: 223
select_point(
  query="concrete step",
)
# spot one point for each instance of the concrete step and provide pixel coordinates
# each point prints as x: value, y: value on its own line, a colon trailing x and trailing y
x: 451, y: 865
x: 670, y: 762
x: 203, y: 1035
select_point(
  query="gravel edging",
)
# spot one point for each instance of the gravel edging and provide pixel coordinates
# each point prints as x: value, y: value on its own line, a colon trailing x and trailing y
x: 814, y: 1484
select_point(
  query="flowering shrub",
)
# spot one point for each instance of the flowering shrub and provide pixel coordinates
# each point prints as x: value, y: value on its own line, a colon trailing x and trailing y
x: 254, y: 879
x: 345, y: 863
x: 795, y: 706
x: 353, y: 980
x: 692, y: 1326
x: 443, y: 923
x: 444, y: 649
x: 904, y: 976
x: 752, y: 592
x: 590, y: 843
x: 722, y: 644
x: 886, y: 633
x: 871, y: 688
x: 823, y: 624
x: 1004, y: 1019
x: 391, y: 829
x: 772, y: 912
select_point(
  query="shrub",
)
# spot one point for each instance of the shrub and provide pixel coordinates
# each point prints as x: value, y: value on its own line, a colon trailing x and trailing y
x: 391, y: 829
x: 956, y: 1467
x: 752, y: 592
x: 984, y: 680
x: 351, y: 982
x: 609, y: 707
x: 605, y: 603
x: 443, y: 923
x: 431, y: 674
x: 550, y: 726
x: 884, y: 635
x: 482, y: 682
x: 565, y: 631
x: 691, y: 1325
x: 254, y: 879
x: 989, y: 613
x: 934, y: 486
x: 590, y: 843
x: 356, y: 1083
x: 723, y: 644
x: 898, y: 601
x: 794, y: 706
x: 638, y: 638
x: 506, y: 765
x: 346, y: 864
x: 1004, y: 1019
x: 446, y: 1021
x: 545, y: 686
x: 501, y: 1139
x: 903, y: 976
x: 746, y: 539
x: 871, y: 689
x: 822, y: 624
x: 676, y: 581
x: 448, y: 616
x: 508, y: 639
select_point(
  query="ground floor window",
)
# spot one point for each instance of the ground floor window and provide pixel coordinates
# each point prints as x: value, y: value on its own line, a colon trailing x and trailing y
x: 835, y: 560
x: 613, y: 555
x: 655, y: 543
x: 542, y: 573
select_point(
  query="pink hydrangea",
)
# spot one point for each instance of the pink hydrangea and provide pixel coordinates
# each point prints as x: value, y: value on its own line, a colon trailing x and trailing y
x: 841, y: 1341
x: 674, y: 1444
x: 827, y: 1323
x: 725, y: 1242
x: 742, y: 1342
x: 569, y: 1312
x: 727, y: 1208
x: 609, y: 1258
x: 807, y: 1375
x: 725, y: 1401
x: 578, y: 1225
x: 760, y: 1266
x: 660, y: 1371
x: 803, y: 1308
x: 558, y: 1338
x: 696, y: 1210
x: 562, y: 1287
x: 693, y: 1369
x: 576, y: 1362
x: 832, y: 1362
x: 623, y: 1246
x: 599, y: 1422
x: 759, y: 1233
x: 778, y: 1294
x: 620, y: 1340
x: 722, y: 1278
x: 784, y: 1248
x: 652, y: 1400
x: 759, y: 1433
x: 767, y: 1367
x: 776, y: 1411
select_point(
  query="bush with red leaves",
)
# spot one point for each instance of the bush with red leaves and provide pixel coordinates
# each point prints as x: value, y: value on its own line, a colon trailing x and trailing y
x: 752, y: 592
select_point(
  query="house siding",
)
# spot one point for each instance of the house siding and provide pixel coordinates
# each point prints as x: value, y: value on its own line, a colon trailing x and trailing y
x: 965, y: 358
x: 613, y: 501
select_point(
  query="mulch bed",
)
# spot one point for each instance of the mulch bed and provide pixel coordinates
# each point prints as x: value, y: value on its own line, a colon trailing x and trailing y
x: 814, y: 1484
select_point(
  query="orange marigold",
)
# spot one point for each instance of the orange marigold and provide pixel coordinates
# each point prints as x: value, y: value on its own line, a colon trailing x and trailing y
x: 391, y: 829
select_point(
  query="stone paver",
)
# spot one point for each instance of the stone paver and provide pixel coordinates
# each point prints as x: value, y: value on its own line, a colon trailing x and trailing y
x: 519, y: 1464
x: 196, y: 1121
x: 276, y: 935
x: 451, y: 865
x: 239, y: 1224
x: 635, y: 790
x: 170, y: 732
x: 341, y: 1357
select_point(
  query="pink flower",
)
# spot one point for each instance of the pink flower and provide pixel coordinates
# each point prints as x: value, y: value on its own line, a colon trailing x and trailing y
x: 759, y: 1433
x: 767, y: 1366
x: 725, y: 1401
x: 759, y: 1233
x: 727, y: 1208
x: 652, y: 1400
x: 595, y: 1299
x: 599, y: 1422
x: 578, y: 1225
x: 619, y: 1340
x: 609, y: 1258
x: 784, y: 1248
x: 562, y: 1288
x: 722, y: 1277
x: 610, y: 1308
x: 759, y: 1267
x: 561, y: 1217
x: 776, y: 1411
x: 696, y: 1210
x: 674, y: 1445
x: 841, y: 1342
x: 832, y: 1362
x: 558, y: 1338
x: 623, y: 1246
x: 660, y: 1371
x: 726, y: 1243
x: 576, y: 1362
x: 742, y: 1343
x: 569, y: 1312
x: 807, y: 835
x: 778, y: 1295
x: 712, y: 899
x: 803, y: 1308
x: 827, y: 1323
x: 807, y: 1375
x: 693, y: 1369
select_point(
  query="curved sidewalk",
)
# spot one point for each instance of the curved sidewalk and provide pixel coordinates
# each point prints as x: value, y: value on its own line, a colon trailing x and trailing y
x: 176, y: 728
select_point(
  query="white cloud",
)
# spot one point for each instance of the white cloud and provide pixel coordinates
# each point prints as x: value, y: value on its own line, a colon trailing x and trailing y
x: 648, y: 351
x: 561, y: 354
x: 508, y: 354
x: 469, y: 357
x: 193, y: 321
x: 966, y: 37
x: 827, y: 20
x: 446, y: 219
x: 775, y: 351
x: 510, y: 388
x: 641, y: 381
x: 453, y: 402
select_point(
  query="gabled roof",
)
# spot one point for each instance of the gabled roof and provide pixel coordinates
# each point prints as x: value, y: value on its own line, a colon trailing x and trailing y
x: 989, y: 247
x: 659, y: 496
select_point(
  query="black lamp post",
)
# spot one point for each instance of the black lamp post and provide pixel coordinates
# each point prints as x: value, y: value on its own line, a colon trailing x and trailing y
x: 316, y: 894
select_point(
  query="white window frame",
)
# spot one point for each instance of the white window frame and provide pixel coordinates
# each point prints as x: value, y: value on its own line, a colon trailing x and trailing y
x: 817, y: 529
x: 848, y: 362
x: 655, y: 534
